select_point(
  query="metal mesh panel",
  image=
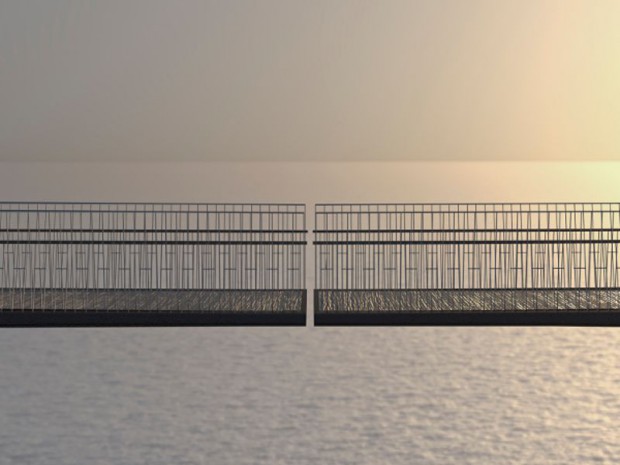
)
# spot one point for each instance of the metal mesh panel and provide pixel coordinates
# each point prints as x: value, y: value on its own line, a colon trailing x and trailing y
x: 150, y: 256
x: 475, y: 256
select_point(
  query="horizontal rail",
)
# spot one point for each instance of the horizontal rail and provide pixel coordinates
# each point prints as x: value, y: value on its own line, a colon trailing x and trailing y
x: 470, y: 242
x: 150, y: 212
x: 145, y: 289
x: 201, y: 204
x: 153, y: 231
x: 462, y: 204
x: 479, y: 230
x: 458, y: 211
x: 149, y: 242
x: 486, y: 289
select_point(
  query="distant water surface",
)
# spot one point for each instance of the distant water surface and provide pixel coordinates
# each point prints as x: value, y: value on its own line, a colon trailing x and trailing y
x: 310, y: 395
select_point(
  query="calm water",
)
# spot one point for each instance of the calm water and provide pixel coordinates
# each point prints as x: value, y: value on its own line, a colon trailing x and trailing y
x: 310, y: 395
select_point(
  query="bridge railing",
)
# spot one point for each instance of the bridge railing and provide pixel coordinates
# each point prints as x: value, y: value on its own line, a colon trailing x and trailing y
x: 467, y: 256
x: 152, y: 256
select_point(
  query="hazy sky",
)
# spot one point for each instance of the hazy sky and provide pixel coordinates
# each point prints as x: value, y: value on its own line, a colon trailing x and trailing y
x: 309, y: 80
x: 312, y: 182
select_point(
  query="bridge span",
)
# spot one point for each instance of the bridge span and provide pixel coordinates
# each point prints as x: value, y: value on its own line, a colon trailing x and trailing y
x: 501, y: 263
x: 64, y: 264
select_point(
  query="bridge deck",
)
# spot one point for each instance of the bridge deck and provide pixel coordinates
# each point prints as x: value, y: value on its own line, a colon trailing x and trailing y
x: 598, y: 307
x: 115, y: 307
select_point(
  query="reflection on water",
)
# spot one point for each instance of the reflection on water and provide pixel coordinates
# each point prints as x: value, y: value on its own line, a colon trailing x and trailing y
x: 309, y: 395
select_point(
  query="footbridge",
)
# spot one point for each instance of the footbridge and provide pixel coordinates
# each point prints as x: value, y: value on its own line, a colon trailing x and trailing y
x: 152, y: 264
x: 106, y: 264
x: 500, y: 263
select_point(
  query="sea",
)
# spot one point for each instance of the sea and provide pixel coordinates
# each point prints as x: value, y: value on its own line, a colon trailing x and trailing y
x: 310, y: 395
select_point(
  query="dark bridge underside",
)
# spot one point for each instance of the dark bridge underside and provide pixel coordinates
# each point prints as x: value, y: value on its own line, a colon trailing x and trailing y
x: 502, y: 307
x: 38, y: 307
